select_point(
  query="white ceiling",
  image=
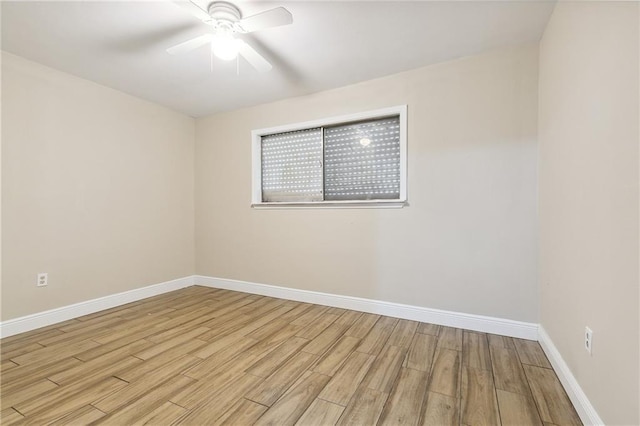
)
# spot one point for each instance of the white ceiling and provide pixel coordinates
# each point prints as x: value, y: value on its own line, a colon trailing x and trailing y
x: 330, y: 44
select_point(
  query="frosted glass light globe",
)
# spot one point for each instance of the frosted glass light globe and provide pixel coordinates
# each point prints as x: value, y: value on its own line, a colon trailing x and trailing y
x: 225, y: 47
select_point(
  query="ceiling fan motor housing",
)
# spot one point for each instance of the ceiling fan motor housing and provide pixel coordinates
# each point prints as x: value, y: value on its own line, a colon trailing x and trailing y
x: 224, y: 13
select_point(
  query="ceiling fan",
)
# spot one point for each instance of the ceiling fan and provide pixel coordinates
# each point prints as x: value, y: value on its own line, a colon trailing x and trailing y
x: 226, y: 21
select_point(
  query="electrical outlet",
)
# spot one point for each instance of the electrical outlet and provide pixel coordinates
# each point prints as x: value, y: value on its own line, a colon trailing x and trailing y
x: 43, y: 279
x: 588, y: 339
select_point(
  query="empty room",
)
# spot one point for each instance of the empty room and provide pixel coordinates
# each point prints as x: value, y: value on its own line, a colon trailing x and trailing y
x: 320, y: 212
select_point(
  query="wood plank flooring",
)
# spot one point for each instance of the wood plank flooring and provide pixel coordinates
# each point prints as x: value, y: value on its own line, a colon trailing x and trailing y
x: 202, y: 356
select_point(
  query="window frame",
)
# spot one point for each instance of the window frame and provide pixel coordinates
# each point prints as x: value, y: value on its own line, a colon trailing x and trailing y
x: 256, y: 163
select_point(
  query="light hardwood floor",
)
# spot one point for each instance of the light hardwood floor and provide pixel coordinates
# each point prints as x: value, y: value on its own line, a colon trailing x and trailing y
x: 202, y: 356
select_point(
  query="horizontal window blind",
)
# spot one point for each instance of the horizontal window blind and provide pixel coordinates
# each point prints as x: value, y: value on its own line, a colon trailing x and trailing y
x: 292, y: 166
x: 362, y: 160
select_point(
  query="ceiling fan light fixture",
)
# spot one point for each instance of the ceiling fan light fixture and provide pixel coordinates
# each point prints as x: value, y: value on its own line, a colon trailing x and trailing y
x: 227, y: 21
x: 225, y: 46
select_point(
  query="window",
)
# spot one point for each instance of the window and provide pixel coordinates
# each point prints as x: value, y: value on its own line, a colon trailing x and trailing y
x: 357, y: 160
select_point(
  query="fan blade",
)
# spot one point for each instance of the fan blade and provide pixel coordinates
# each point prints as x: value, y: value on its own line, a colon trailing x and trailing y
x: 270, y: 18
x: 194, y: 9
x: 190, y: 45
x: 254, y: 58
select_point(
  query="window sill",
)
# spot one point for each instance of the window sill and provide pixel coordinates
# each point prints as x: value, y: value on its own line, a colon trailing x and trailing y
x: 377, y: 204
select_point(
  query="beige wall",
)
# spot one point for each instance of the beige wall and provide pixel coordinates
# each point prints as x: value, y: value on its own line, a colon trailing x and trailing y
x: 588, y: 129
x: 97, y: 190
x: 466, y: 243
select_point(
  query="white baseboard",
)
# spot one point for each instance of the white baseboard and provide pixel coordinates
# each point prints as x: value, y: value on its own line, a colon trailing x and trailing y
x: 505, y: 327
x: 53, y: 316
x: 434, y: 316
x: 583, y: 406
